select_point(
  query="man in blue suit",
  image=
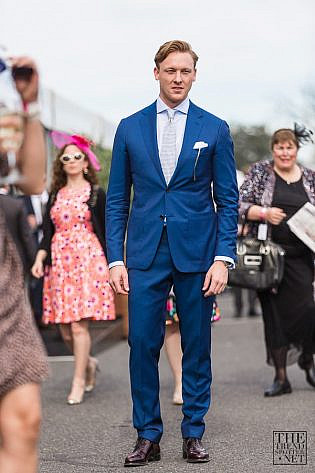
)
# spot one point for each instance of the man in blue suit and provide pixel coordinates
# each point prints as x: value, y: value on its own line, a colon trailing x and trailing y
x: 181, y: 231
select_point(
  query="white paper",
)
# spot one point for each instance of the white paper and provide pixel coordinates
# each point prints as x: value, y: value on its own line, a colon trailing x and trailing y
x: 302, y: 224
x: 262, y: 231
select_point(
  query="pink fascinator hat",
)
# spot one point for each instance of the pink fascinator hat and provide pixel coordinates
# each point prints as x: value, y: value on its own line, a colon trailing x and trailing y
x: 61, y: 139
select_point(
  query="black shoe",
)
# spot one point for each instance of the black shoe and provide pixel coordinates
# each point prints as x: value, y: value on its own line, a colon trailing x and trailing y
x: 278, y: 388
x: 194, y: 452
x: 306, y: 363
x: 144, y: 452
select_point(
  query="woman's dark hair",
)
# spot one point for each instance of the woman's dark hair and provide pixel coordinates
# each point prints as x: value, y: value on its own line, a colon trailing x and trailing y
x: 299, y: 135
x: 59, y: 177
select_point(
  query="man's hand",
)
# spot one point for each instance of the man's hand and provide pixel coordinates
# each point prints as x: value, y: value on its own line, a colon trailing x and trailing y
x: 216, y: 279
x: 119, y: 279
x: 274, y: 215
x: 28, y: 89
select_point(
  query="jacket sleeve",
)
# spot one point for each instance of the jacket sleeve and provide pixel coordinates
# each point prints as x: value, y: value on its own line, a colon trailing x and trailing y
x: 248, y: 191
x: 48, y: 229
x: 26, y: 238
x: 100, y: 210
x: 99, y: 218
x: 225, y: 193
x: 118, y: 197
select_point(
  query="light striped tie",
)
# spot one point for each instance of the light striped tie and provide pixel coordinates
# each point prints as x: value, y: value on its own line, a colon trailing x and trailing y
x: 168, y: 149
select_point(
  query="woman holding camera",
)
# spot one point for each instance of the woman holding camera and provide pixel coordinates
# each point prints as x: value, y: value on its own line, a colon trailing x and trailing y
x: 273, y: 191
x: 23, y: 363
x: 76, y: 282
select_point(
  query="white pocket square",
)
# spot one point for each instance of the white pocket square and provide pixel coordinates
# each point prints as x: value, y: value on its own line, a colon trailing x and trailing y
x: 200, y: 145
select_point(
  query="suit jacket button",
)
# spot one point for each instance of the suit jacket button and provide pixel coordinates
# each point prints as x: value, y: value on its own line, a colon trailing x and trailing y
x: 167, y: 189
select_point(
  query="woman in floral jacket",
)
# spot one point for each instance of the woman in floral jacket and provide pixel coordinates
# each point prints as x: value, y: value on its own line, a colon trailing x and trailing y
x: 272, y: 192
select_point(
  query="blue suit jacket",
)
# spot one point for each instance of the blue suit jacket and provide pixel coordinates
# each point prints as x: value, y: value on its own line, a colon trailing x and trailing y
x: 198, y: 230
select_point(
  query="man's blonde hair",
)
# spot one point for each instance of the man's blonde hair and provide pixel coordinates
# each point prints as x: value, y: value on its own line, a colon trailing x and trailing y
x: 171, y: 47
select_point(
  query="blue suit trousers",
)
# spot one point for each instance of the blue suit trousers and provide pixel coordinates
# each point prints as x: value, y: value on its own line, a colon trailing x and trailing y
x: 149, y: 290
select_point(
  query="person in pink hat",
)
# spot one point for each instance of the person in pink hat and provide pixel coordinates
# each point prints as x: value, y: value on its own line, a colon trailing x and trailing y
x: 72, y: 256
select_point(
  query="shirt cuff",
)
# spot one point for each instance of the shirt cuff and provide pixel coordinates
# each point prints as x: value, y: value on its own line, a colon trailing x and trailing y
x: 116, y: 263
x: 226, y: 258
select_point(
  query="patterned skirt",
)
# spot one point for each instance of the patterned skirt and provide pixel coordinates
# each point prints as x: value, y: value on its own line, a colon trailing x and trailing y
x: 22, y: 355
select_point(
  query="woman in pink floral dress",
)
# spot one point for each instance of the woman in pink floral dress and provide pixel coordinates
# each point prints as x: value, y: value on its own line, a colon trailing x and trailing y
x: 76, y: 280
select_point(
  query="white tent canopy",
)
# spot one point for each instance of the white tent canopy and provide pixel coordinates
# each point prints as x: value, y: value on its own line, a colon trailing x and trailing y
x: 61, y: 114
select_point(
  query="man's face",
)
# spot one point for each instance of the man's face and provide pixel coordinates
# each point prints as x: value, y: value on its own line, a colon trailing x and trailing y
x: 176, y: 75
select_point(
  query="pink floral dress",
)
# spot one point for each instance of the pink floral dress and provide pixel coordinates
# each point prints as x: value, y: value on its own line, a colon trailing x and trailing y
x: 76, y: 285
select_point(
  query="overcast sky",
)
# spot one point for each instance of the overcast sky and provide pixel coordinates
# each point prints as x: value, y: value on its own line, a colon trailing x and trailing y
x: 255, y: 55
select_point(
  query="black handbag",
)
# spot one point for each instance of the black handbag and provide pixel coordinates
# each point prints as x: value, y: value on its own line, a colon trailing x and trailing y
x: 260, y: 264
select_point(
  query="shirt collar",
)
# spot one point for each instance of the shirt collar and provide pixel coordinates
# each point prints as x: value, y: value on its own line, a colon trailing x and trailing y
x: 182, y: 107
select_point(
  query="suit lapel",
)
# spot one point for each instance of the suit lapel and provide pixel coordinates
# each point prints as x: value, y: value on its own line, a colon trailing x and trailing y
x: 149, y: 133
x: 192, y: 131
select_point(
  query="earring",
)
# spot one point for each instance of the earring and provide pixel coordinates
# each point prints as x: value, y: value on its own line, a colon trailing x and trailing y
x: 85, y: 171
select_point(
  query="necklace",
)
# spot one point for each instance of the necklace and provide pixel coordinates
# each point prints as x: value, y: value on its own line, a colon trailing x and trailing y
x: 295, y: 176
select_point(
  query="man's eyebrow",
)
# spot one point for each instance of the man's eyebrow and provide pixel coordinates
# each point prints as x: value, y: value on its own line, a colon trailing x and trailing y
x: 181, y: 69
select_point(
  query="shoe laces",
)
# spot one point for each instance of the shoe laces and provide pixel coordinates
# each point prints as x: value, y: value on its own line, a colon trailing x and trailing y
x: 141, y: 443
x: 195, y: 442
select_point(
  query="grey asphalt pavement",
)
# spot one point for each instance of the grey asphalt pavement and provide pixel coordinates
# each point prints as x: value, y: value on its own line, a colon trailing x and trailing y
x: 95, y: 436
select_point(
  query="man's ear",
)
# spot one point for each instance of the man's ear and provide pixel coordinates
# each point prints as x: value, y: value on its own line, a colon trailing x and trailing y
x: 156, y: 73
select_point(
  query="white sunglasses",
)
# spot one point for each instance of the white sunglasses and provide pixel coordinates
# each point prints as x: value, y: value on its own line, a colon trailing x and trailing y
x: 66, y: 158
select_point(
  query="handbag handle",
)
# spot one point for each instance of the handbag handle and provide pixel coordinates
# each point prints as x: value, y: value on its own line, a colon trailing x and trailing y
x: 245, y: 220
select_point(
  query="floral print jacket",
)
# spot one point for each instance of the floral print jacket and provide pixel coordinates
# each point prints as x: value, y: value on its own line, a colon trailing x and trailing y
x: 258, y: 188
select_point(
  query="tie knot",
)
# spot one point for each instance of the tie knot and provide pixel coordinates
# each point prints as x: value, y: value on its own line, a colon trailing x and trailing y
x: 170, y: 114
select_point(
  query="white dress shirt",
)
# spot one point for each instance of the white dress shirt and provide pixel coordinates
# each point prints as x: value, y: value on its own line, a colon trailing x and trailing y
x: 180, y: 118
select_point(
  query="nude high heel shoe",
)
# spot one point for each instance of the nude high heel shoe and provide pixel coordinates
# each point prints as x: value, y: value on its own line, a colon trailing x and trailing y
x: 78, y: 396
x: 92, y: 369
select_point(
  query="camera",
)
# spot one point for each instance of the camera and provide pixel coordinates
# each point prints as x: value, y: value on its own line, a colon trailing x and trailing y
x: 18, y: 73
x: 22, y: 73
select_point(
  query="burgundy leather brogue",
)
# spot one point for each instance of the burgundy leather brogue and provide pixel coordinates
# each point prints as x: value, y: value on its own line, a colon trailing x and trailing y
x: 194, y: 452
x: 144, y: 452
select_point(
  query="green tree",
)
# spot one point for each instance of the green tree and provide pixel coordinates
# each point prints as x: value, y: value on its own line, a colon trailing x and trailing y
x: 251, y: 143
x: 105, y: 157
